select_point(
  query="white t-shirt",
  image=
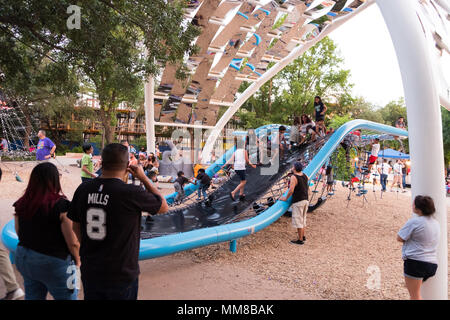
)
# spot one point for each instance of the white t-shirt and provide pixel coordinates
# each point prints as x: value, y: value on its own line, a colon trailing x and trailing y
x: 384, y: 167
x: 304, y: 126
x: 421, y: 235
x: 398, y: 168
x: 375, y: 149
x: 239, y: 159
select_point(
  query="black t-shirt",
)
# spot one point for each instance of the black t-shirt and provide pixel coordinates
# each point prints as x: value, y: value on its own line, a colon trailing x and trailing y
x: 42, y: 232
x: 319, y: 109
x: 301, y: 189
x: 204, y: 178
x: 182, y: 180
x: 109, y: 212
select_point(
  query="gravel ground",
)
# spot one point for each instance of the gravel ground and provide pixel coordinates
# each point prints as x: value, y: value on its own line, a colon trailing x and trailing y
x: 342, y: 245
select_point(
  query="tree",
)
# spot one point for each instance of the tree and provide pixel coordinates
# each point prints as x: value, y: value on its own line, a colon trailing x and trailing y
x: 393, y: 110
x: 108, y: 47
x: 317, y: 72
x: 291, y: 92
x: 31, y: 81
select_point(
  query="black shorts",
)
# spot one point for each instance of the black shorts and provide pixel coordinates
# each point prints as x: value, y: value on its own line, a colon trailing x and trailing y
x: 320, y: 118
x: 419, y: 269
x: 241, y: 174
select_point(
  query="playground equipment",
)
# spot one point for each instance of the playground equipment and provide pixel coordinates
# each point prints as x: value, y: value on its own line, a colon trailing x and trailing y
x: 199, y: 225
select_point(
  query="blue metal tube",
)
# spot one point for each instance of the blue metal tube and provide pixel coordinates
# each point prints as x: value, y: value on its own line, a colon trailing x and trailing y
x: 161, y: 246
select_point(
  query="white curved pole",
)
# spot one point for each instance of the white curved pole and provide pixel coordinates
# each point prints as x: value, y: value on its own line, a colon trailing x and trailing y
x: 149, y: 108
x: 294, y: 54
x: 444, y: 102
x: 424, y: 122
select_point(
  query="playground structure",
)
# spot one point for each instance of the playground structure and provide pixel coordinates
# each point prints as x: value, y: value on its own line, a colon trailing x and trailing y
x: 420, y: 34
x: 201, y: 224
x: 412, y: 31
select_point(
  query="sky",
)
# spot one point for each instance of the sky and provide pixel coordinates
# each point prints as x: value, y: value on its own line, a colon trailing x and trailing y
x: 365, y: 44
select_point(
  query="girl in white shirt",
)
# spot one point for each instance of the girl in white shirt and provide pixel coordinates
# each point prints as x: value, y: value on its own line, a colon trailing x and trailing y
x: 240, y: 159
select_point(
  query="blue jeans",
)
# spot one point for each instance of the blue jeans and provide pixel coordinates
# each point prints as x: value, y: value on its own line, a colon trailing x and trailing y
x: 404, y: 180
x: 42, y: 274
x: 383, y: 181
x: 202, y: 190
x: 114, y: 291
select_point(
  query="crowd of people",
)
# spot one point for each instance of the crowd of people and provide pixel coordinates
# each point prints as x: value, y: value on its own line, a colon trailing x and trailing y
x: 97, y: 233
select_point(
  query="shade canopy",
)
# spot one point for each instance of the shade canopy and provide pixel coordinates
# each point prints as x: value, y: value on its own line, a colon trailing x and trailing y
x: 393, y: 154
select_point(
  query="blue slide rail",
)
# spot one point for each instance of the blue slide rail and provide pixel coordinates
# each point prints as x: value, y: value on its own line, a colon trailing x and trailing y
x: 166, y: 245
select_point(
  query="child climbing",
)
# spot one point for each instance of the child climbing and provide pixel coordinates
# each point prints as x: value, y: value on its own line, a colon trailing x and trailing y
x: 240, y: 159
x: 179, y: 186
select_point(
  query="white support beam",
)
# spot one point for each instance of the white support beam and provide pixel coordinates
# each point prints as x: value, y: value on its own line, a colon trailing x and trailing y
x: 149, y: 107
x: 294, y: 54
x: 424, y: 122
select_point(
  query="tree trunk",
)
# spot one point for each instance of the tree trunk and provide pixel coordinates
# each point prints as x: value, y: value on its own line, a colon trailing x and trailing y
x: 108, y: 130
x: 270, y: 96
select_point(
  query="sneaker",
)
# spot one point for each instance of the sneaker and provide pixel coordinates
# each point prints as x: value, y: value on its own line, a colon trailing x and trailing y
x: 304, y: 238
x: 297, y: 242
x: 14, y: 295
x: 198, y: 199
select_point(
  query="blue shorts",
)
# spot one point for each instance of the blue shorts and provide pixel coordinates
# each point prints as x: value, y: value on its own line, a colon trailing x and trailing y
x: 241, y: 174
x: 419, y: 269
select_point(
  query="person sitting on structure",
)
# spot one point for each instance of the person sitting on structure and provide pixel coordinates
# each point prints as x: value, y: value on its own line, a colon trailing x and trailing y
x: 294, y: 134
x: 400, y: 123
x: 307, y: 126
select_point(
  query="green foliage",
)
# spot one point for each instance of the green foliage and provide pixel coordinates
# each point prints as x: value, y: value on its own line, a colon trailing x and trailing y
x: 343, y: 170
x: 291, y: 92
x: 338, y: 121
x: 393, y: 110
x: 446, y: 133
x: 106, y: 52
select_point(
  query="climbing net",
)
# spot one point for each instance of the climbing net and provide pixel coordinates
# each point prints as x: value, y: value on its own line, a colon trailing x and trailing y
x: 18, y: 150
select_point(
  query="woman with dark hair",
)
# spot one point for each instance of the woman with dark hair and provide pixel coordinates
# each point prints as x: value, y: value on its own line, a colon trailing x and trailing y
x: 307, y: 126
x: 47, y: 245
x: 420, y: 238
x: 320, y: 110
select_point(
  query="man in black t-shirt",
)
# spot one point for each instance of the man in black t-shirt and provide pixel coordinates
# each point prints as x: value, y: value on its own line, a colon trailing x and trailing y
x: 205, y: 183
x: 106, y: 215
x: 298, y: 188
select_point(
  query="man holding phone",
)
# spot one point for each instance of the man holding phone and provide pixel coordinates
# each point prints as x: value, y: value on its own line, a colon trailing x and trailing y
x: 106, y: 215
